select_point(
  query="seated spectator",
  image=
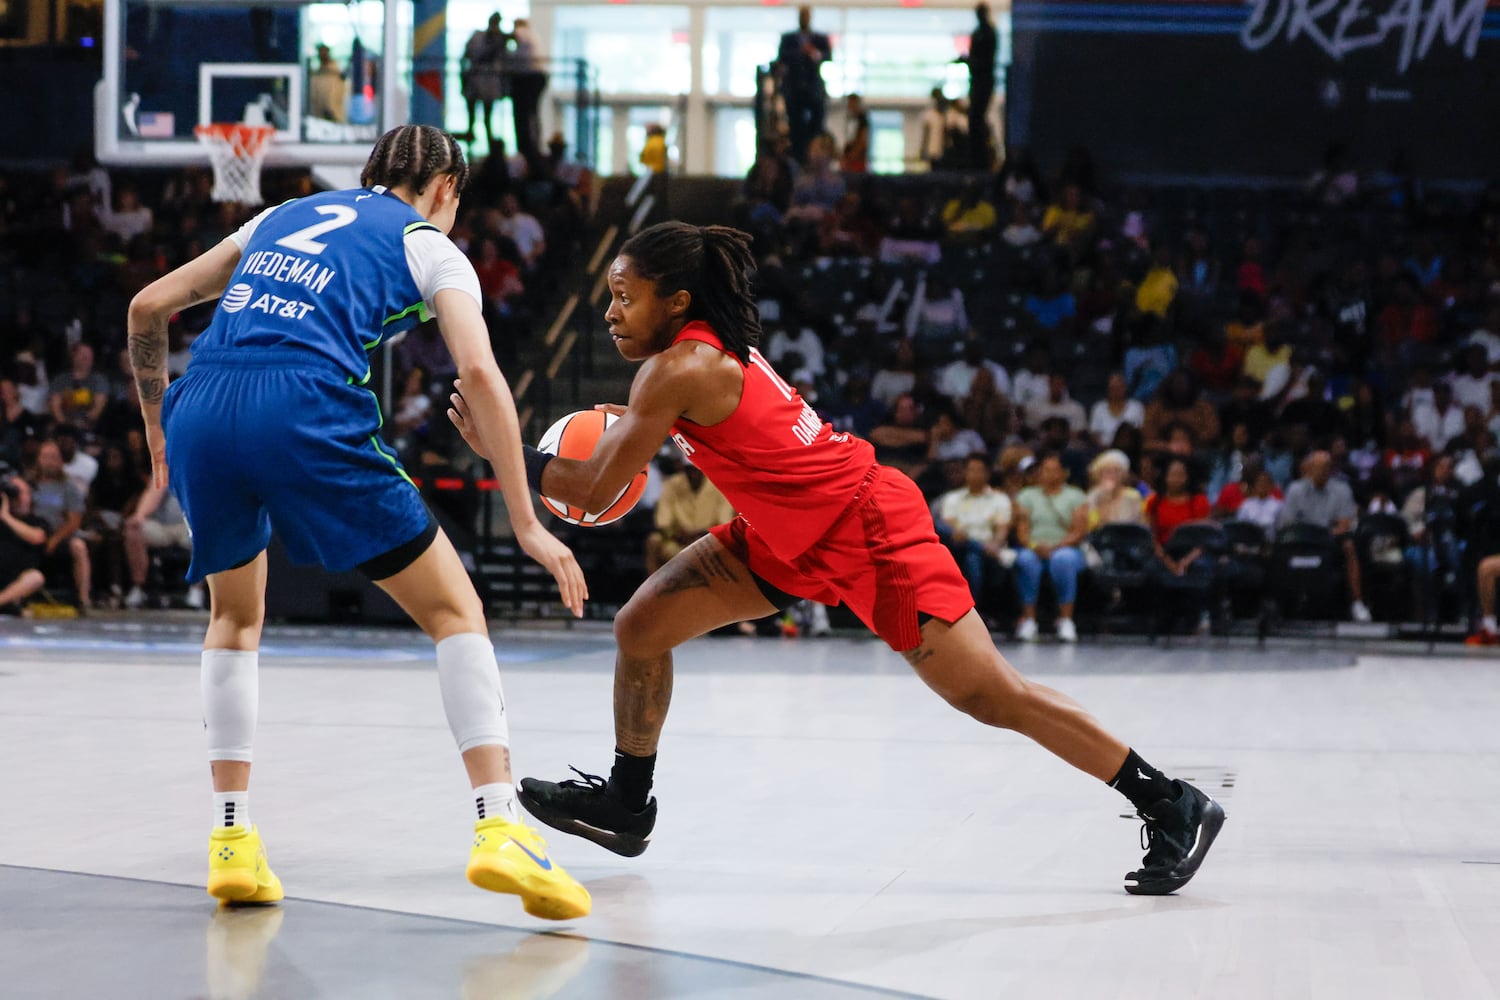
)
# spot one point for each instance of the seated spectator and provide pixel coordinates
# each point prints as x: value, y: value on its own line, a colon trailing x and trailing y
x: 1022, y: 231
x: 1229, y: 461
x: 950, y: 440
x: 156, y: 523
x: 80, y: 395
x: 1058, y: 404
x: 1052, y: 305
x: 913, y: 235
x: 1033, y: 383
x: 985, y: 409
x: 1150, y: 358
x: 111, y: 495
x: 975, y: 522
x: 898, y: 376
x: 1263, y: 358
x: 817, y: 189
x: 1114, y: 409
x: 1408, y: 320
x: 768, y: 186
x: 80, y: 466
x: 499, y: 279
x: 17, y: 424
x: 1319, y: 499
x: 1233, y: 493
x: 806, y: 345
x: 1314, y: 411
x: 59, y: 504
x: 854, y: 409
x: 1158, y: 289
x: 849, y: 230
x: 1052, y: 521
x: 1069, y: 222
x: 970, y: 215
x: 688, y: 507
x: 902, y: 442
x: 956, y: 379
x: 1112, y: 500
x: 522, y: 229
x: 22, y: 537
x: 1473, y: 382
x: 1244, y: 406
x: 1262, y: 503
x: 1179, y: 402
x: 1442, y: 421
x: 1248, y: 328
x: 1216, y: 364
x: 1177, y: 501
x: 130, y: 219
x: 1182, y: 575
x: 936, y: 320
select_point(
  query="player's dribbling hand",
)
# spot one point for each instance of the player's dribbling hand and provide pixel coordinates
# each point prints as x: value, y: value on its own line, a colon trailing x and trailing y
x: 156, y: 443
x: 557, y: 558
x: 458, y: 412
x: 613, y: 409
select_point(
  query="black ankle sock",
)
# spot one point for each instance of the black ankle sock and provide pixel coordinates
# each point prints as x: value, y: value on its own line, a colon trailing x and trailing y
x: 631, y: 776
x: 1141, y: 783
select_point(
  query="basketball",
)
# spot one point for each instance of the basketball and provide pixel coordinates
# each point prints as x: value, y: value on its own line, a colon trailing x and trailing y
x: 575, y: 436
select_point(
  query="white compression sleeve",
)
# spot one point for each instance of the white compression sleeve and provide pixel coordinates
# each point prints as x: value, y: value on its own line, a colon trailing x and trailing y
x: 231, y: 701
x: 472, y: 698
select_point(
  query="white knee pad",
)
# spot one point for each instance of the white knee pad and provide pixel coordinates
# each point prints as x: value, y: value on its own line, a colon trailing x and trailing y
x: 472, y: 698
x: 231, y: 701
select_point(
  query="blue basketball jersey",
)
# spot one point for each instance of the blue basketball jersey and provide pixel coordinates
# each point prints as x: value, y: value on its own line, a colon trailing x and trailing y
x: 328, y: 274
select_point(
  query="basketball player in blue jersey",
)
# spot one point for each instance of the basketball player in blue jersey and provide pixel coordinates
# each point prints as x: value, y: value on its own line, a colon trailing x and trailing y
x: 272, y: 426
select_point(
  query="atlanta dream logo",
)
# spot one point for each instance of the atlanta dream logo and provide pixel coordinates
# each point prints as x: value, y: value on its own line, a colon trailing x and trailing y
x: 237, y: 298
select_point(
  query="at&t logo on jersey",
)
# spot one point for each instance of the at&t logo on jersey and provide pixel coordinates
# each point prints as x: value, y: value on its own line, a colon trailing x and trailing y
x: 237, y: 298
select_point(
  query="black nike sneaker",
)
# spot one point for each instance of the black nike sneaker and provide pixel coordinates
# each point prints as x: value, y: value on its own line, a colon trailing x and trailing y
x: 590, y: 809
x: 1177, y: 835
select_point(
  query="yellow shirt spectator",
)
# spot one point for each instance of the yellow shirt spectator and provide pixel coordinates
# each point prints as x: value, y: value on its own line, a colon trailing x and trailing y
x: 1260, y: 359
x: 688, y: 507
x: 1157, y: 291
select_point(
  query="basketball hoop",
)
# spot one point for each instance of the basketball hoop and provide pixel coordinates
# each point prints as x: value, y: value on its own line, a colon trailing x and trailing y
x: 236, y: 151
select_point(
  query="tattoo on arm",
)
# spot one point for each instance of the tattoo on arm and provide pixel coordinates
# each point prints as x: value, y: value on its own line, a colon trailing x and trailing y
x: 148, y: 357
x: 703, y: 570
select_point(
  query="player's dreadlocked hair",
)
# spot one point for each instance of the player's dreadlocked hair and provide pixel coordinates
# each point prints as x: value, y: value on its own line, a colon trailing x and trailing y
x: 412, y: 155
x: 714, y: 265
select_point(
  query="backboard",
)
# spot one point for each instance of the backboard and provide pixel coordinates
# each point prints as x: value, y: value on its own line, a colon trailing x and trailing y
x: 172, y: 64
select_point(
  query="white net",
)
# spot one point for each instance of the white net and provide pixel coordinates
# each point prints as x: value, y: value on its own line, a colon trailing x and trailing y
x: 236, y: 152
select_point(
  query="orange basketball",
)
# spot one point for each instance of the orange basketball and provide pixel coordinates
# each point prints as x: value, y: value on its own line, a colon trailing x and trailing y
x: 575, y: 436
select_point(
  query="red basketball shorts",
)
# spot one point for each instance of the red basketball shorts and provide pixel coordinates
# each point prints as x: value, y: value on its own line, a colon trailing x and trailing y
x: 881, y: 558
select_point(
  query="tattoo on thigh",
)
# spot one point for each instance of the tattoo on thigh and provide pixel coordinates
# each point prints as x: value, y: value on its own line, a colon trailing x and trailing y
x: 701, y: 571
x: 916, y: 656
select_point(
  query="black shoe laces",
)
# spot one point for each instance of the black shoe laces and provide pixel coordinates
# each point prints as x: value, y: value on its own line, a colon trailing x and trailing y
x: 590, y: 782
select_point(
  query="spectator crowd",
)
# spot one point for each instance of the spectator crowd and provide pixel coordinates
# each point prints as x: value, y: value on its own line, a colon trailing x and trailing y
x: 1048, y: 356
x: 78, y: 520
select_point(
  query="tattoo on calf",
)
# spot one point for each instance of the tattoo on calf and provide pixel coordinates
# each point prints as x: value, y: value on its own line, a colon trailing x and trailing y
x: 700, y: 572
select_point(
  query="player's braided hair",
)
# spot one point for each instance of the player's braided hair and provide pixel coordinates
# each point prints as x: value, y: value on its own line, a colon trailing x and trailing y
x: 714, y: 265
x: 412, y: 155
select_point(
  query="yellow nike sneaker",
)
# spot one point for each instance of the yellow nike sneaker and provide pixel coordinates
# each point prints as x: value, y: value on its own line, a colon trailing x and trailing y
x: 512, y: 857
x: 237, y: 868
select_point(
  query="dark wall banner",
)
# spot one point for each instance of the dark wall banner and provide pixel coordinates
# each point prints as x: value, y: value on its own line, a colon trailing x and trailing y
x: 1259, y: 88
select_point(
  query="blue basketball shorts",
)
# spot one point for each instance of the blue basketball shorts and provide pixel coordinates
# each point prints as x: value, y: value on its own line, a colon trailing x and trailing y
x: 280, y: 438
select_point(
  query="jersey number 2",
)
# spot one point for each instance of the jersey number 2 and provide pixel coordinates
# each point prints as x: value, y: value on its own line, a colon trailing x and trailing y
x: 302, y: 240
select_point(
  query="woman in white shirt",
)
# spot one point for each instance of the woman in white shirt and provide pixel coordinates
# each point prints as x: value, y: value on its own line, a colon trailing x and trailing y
x: 1114, y: 409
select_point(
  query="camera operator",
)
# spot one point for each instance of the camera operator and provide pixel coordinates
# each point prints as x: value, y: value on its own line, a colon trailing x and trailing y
x: 22, y: 536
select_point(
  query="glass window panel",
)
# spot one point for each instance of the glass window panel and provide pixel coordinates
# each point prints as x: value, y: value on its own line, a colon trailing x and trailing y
x: 637, y: 49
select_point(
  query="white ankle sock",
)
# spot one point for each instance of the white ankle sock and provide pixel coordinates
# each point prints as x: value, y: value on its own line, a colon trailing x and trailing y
x: 1489, y: 624
x: 497, y: 801
x: 232, y: 809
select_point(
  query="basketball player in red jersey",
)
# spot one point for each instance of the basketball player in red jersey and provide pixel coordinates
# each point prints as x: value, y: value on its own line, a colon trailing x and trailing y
x: 819, y: 519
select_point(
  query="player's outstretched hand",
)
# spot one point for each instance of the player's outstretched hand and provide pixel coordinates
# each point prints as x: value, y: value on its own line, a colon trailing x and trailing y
x: 613, y: 409
x: 156, y: 444
x: 458, y: 412
x: 557, y: 558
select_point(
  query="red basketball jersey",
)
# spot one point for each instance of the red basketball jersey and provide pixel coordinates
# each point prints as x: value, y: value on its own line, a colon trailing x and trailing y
x: 782, y: 468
